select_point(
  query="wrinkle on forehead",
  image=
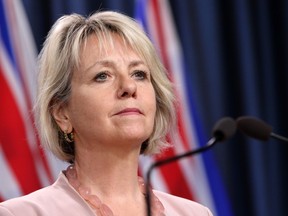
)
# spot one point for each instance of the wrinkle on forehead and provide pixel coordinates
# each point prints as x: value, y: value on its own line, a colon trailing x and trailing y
x: 106, y: 42
x: 105, y: 48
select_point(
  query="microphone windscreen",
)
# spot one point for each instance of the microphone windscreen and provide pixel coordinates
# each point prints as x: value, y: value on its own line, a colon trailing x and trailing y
x: 254, y: 127
x: 224, y: 128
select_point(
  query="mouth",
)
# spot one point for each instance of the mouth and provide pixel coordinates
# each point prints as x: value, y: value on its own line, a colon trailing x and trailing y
x: 129, y: 111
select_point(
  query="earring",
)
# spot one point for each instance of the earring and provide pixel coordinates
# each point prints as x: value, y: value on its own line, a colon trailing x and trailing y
x: 69, y: 137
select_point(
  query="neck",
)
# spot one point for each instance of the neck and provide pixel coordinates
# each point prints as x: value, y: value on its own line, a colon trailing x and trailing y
x: 108, y: 174
x: 115, y: 183
x: 124, y: 206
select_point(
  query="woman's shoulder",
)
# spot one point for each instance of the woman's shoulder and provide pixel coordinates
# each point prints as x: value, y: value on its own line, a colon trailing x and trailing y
x: 51, y: 200
x: 30, y: 204
x: 175, y: 205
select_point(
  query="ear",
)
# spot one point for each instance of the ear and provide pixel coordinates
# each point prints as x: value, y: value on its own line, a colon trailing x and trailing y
x: 61, y: 116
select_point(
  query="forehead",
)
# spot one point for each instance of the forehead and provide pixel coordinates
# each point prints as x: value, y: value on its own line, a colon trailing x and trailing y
x: 95, y: 48
x: 105, y: 45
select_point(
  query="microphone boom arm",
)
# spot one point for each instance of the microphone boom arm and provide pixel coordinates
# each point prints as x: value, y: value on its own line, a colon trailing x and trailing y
x: 279, y: 137
x: 210, y: 143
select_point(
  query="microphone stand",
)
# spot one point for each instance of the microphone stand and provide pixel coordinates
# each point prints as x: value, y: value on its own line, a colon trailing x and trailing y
x: 210, y: 143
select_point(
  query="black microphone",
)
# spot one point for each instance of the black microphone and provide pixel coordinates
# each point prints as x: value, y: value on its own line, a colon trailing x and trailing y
x: 258, y: 129
x: 222, y: 130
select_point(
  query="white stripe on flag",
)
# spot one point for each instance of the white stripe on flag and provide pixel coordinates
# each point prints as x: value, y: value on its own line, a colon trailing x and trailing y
x: 152, y: 28
x: 13, y: 82
x: 156, y: 178
x: 28, y: 66
x: 25, y: 59
x: 24, y: 45
x: 9, y: 184
x: 55, y: 164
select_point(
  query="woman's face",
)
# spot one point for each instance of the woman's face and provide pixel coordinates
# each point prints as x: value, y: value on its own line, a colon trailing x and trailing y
x: 112, y: 100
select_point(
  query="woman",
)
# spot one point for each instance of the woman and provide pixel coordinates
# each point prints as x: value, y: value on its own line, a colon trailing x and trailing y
x: 103, y: 100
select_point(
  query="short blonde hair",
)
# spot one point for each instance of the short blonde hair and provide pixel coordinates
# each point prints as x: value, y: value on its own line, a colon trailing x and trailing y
x: 60, y: 56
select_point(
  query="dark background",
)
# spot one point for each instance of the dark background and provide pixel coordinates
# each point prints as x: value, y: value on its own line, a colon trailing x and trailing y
x: 236, y: 55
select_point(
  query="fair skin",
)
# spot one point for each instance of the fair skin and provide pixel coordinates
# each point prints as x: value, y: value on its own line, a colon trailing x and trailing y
x: 111, y: 112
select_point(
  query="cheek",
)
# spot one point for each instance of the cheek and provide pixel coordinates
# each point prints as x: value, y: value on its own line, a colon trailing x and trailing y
x: 151, y: 103
x: 85, y: 109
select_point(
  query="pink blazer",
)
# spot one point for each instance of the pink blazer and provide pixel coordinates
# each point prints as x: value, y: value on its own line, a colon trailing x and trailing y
x: 61, y: 199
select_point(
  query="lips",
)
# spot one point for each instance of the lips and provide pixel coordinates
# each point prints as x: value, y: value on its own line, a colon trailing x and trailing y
x: 129, y: 111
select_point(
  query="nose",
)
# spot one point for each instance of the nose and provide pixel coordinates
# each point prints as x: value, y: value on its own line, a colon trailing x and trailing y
x: 127, y: 88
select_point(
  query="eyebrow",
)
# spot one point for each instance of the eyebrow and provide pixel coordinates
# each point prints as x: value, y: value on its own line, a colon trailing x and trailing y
x: 109, y: 63
x: 136, y: 63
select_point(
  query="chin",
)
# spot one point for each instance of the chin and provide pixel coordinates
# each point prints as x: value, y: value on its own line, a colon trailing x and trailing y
x: 137, y: 137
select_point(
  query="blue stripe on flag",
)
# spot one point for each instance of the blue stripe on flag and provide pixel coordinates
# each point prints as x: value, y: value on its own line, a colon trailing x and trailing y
x: 140, y: 8
x: 5, y: 32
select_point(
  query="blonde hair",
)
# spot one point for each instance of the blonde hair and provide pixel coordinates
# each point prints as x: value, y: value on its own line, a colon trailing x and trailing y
x: 60, y: 56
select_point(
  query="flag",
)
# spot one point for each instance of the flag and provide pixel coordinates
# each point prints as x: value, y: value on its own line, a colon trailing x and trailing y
x: 195, y: 178
x: 24, y: 166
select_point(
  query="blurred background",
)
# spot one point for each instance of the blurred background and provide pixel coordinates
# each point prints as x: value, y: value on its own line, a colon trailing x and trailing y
x: 234, y: 62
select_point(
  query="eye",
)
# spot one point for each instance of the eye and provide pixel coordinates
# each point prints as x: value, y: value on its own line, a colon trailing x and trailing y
x: 140, y: 75
x: 101, y: 77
